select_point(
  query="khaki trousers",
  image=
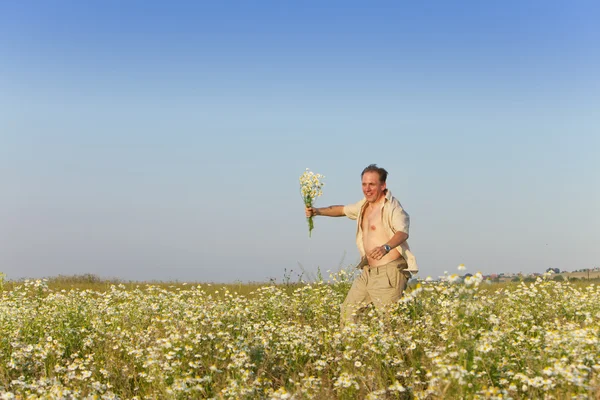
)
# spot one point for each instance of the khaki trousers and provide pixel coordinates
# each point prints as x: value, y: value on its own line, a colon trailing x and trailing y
x: 382, y: 285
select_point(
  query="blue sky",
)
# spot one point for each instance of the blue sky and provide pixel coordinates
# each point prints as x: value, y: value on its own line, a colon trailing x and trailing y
x: 151, y: 140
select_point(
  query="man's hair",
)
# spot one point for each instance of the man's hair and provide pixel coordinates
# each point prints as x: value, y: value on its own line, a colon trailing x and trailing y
x: 374, y: 168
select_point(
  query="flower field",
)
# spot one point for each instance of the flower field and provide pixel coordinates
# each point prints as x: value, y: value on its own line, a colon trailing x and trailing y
x: 444, y: 340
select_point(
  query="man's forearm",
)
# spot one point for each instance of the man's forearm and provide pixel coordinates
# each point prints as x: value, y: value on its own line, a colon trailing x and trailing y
x: 331, y: 211
x: 397, y: 239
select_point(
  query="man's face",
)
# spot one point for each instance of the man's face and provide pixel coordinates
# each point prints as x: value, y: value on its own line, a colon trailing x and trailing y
x: 372, y: 187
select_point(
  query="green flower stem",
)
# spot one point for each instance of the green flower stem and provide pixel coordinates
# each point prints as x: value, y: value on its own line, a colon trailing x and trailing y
x: 311, y: 225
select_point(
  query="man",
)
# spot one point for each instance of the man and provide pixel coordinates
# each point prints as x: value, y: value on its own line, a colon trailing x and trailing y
x: 382, y: 230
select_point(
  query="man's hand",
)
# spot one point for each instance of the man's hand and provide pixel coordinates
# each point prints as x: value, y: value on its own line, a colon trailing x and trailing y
x: 377, y: 253
x: 310, y: 211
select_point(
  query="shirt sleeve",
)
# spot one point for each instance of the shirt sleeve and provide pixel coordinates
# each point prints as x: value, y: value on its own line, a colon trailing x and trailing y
x: 400, y: 220
x: 352, y: 211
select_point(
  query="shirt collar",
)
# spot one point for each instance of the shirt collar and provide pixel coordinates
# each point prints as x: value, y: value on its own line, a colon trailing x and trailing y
x: 388, y: 197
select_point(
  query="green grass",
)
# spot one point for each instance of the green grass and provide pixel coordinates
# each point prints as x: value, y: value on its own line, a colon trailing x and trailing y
x: 95, y: 283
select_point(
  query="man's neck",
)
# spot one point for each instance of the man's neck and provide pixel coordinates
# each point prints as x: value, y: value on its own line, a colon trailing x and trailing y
x: 379, y: 200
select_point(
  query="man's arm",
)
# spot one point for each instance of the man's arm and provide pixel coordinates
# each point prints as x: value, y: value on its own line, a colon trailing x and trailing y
x: 331, y: 211
x: 395, y: 241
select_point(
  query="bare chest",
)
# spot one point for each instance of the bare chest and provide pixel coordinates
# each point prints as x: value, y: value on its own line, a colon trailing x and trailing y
x: 371, y: 221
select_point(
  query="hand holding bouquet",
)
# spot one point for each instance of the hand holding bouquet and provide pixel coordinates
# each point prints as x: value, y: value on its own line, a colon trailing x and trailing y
x: 310, y: 187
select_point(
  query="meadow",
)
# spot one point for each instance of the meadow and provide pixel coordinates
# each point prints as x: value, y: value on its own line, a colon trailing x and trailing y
x: 444, y: 340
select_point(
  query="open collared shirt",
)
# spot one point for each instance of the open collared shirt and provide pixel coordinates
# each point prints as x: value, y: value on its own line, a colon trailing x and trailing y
x: 394, y: 219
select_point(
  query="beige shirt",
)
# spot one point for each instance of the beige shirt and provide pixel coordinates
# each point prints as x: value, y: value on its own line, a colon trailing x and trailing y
x: 395, y: 219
